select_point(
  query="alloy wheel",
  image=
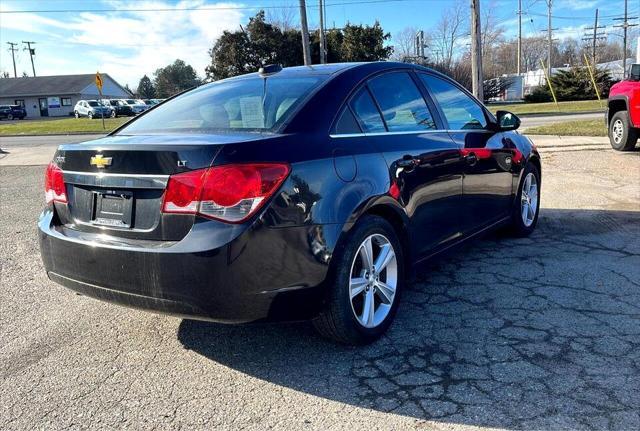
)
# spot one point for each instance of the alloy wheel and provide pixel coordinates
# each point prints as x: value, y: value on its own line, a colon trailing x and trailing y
x: 529, y: 199
x: 373, y: 281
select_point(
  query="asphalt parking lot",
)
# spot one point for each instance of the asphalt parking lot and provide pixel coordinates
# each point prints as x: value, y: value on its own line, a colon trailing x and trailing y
x: 536, y: 333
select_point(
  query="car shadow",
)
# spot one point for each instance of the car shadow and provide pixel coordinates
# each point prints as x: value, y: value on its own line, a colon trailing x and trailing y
x: 541, y: 332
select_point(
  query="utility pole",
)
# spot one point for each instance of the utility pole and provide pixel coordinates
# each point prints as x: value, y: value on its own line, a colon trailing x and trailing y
x: 306, y: 50
x: 549, y: 33
x: 476, y: 51
x: 13, y: 50
x: 323, y: 51
x: 594, y: 39
x: 625, y: 25
x: 32, y: 52
x: 519, y: 36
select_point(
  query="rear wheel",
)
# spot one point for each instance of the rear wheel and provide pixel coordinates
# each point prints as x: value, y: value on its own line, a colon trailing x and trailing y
x: 365, y: 286
x: 113, y: 114
x: 526, y: 207
x: 622, y: 136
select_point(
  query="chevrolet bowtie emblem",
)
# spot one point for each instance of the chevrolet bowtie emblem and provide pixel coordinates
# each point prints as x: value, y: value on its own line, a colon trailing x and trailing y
x: 99, y: 161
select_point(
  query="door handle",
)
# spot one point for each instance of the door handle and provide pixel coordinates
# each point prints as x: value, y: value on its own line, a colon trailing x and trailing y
x: 471, y: 159
x: 407, y: 162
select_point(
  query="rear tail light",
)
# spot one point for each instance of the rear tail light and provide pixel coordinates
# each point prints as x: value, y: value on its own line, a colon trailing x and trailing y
x: 54, y: 189
x: 230, y: 193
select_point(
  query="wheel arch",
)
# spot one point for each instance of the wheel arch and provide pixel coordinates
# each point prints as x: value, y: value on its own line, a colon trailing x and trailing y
x: 615, y: 105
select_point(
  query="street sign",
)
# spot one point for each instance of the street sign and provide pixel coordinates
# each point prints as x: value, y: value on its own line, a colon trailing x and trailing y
x: 99, y: 82
x: 99, y: 85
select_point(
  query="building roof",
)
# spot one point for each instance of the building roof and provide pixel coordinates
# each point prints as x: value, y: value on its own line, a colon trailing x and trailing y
x: 47, y: 85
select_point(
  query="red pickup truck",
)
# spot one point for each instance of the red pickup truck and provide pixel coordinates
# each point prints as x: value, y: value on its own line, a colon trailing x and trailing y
x: 623, y: 112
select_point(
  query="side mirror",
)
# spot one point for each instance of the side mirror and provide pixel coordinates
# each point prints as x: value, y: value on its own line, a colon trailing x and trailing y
x: 507, y: 121
x: 634, y: 75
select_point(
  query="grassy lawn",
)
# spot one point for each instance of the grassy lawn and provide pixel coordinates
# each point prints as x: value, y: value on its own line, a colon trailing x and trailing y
x: 571, y: 128
x: 62, y: 126
x: 541, y: 108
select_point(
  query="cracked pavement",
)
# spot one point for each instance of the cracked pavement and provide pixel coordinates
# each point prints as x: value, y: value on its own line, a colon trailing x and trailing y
x: 536, y: 333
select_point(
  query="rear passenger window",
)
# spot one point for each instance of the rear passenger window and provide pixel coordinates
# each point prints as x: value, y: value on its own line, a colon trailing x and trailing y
x: 461, y: 111
x: 346, y: 123
x: 403, y: 107
x: 367, y: 112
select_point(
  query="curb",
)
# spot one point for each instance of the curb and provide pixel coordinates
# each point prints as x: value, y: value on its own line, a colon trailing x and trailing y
x: 27, y: 135
x: 559, y: 114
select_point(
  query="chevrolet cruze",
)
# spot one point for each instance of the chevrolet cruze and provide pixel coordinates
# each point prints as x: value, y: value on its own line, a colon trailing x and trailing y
x: 298, y: 193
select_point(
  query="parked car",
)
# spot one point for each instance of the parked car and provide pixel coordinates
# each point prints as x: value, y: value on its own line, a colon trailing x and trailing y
x: 11, y: 112
x: 623, y: 113
x: 150, y: 102
x: 306, y: 192
x: 119, y: 108
x: 137, y: 106
x: 91, y: 109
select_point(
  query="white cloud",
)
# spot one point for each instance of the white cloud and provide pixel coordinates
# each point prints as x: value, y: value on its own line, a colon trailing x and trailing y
x: 129, y: 44
x: 149, y: 40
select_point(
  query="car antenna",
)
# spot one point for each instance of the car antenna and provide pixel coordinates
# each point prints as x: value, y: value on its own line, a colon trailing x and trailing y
x: 265, y: 72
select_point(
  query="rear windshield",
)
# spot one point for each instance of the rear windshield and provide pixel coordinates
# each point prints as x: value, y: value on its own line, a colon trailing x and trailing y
x: 240, y: 104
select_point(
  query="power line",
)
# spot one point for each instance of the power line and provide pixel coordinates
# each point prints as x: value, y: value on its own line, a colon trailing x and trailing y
x: 199, y: 8
x: 625, y: 26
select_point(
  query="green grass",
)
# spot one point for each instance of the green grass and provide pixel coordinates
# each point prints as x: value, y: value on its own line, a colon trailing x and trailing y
x: 62, y: 126
x: 571, y: 128
x: 551, y: 108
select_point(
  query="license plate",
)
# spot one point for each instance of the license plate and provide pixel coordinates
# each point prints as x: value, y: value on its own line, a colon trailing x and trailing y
x: 113, y: 208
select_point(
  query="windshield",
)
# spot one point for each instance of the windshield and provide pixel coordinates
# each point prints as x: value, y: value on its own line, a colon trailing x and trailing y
x: 93, y: 103
x: 239, y: 104
x: 130, y: 101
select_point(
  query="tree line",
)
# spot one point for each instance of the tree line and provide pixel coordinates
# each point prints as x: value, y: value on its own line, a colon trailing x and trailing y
x: 262, y: 42
x: 276, y: 40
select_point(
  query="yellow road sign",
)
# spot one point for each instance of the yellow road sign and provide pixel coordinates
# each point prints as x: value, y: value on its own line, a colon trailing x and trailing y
x: 99, y: 82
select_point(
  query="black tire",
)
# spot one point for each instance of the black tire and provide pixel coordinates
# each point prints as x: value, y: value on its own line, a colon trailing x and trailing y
x: 622, y: 135
x: 90, y: 115
x: 113, y: 114
x: 76, y: 114
x: 10, y: 117
x: 517, y: 226
x: 337, y: 320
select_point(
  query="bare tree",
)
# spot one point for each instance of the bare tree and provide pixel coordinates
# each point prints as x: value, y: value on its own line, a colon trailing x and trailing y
x: 404, y: 43
x: 450, y: 31
x: 284, y: 17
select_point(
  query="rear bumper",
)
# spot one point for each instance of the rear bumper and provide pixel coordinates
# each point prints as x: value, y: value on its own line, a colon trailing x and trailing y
x: 229, y: 275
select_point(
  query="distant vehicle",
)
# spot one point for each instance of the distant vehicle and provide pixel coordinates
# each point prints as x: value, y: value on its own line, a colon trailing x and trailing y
x: 152, y: 102
x: 91, y: 109
x: 119, y: 107
x: 623, y: 112
x: 11, y: 112
x: 137, y: 105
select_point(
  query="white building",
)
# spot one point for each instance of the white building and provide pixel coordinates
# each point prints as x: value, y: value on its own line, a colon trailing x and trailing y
x: 55, y: 96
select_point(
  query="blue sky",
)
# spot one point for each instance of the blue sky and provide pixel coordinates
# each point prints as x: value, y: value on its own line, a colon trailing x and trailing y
x: 127, y: 43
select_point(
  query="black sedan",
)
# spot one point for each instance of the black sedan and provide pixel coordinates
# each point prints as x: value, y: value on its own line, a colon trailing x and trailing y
x: 299, y: 193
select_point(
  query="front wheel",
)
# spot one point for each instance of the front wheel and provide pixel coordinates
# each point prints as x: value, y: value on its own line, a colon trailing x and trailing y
x: 76, y: 114
x: 622, y: 136
x: 526, y: 207
x: 10, y: 117
x: 113, y: 114
x: 365, y: 286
